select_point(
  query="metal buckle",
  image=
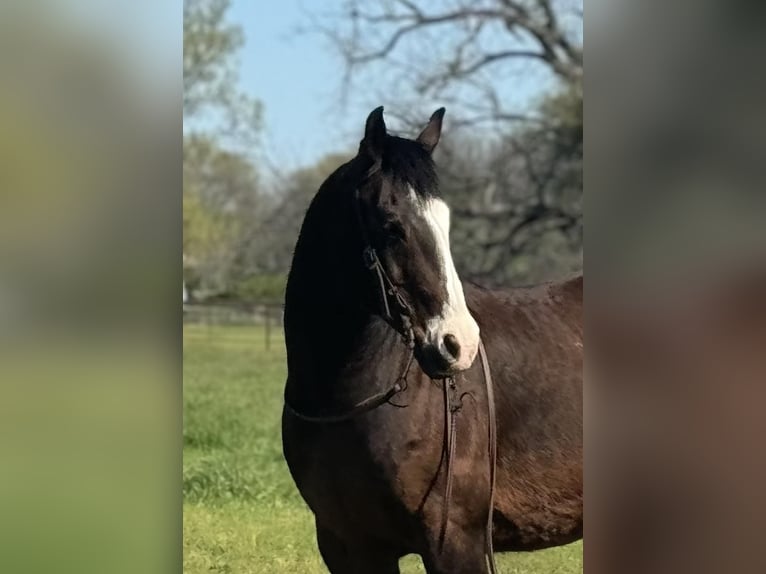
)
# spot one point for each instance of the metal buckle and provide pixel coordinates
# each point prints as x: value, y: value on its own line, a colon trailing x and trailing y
x: 456, y: 400
x: 370, y: 257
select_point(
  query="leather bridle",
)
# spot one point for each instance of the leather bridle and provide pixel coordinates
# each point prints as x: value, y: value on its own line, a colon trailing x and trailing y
x: 401, y: 321
x: 388, y: 292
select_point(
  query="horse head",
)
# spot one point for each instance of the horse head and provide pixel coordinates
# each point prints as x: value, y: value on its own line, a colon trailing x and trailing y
x: 406, y: 224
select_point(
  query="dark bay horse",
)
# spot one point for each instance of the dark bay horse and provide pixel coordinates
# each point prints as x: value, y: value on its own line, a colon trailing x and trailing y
x: 375, y: 481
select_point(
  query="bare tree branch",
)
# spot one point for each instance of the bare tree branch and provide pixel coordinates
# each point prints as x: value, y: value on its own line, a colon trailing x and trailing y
x: 516, y: 188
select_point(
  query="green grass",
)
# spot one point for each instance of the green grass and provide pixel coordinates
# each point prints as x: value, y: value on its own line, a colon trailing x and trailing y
x: 242, y: 513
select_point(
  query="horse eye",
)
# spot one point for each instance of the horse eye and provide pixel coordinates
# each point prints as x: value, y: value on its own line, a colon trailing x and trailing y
x: 394, y: 231
x: 399, y: 234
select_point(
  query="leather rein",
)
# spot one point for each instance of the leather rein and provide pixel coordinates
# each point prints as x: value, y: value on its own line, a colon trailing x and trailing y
x: 401, y: 322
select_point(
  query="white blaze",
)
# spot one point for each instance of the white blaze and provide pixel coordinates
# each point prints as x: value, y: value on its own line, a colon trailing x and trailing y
x: 454, y: 319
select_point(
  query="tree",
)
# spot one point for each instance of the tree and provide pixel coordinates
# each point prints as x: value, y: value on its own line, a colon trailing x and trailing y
x: 456, y: 49
x: 514, y: 177
x: 517, y: 201
x: 209, y: 72
x: 222, y: 213
x: 223, y: 208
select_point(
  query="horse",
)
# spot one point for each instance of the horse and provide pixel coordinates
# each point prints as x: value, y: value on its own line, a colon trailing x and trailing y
x: 378, y: 325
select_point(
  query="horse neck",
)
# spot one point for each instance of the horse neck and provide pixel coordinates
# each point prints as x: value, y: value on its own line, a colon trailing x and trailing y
x: 327, y: 302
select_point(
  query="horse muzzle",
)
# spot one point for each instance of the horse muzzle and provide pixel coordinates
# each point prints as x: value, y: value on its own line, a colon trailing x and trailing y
x: 445, y: 357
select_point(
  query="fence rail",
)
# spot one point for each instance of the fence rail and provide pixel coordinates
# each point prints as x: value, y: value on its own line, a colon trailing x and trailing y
x: 266, y: 314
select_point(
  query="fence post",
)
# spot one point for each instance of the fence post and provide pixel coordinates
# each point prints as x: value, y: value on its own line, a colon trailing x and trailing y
x: 268, y: 327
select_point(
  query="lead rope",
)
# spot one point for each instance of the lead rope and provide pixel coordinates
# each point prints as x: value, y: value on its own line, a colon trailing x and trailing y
x: 450, y: 412
x: 489, y: 550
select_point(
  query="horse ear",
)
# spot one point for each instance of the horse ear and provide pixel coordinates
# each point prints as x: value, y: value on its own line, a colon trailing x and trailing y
x: 374, y: 135
x: 429, y: 137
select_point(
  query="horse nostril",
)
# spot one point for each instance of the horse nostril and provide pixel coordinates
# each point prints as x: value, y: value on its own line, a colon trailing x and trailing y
x: 452, y: 346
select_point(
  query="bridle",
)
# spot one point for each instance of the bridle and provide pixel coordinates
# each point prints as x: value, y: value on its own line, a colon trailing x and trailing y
x: 400, y: 319
x: 388, y: 292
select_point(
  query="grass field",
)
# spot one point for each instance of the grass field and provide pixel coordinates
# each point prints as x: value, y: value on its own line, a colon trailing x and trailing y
x: 242, y: 513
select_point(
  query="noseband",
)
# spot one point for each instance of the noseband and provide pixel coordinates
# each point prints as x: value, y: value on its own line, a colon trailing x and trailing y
x: 401, y: 322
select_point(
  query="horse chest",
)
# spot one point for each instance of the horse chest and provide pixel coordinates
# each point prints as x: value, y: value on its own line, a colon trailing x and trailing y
x: 362, y: 468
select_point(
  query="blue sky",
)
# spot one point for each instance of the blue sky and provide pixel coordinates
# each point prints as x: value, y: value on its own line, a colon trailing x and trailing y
x: 297, y: 77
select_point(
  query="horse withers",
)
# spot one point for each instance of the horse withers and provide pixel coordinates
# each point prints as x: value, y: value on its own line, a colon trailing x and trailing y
x: 377, y: 322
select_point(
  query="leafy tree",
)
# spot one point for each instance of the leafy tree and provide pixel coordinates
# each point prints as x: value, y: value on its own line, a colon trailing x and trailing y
x: 209, y: 71
x: 222, y: 202
x: 221, y: 207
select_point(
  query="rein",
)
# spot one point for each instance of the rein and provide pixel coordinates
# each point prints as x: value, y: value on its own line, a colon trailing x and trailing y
x: 367, y: 405
x: 452, y: 405
x: 452, y: 401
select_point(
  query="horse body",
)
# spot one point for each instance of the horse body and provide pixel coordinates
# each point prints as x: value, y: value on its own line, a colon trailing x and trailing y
x: 534, y: 342
x: 376, y: 482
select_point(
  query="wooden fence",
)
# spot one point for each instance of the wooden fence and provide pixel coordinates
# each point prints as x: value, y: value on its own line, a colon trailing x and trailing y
x: 266, y: 314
